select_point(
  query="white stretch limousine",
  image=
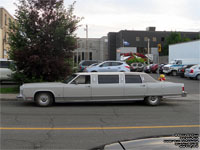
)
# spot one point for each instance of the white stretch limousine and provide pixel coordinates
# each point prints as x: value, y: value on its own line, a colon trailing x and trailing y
x: 96, y: 86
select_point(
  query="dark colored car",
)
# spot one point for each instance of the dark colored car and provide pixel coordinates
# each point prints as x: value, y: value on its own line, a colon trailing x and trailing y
x: 154, y: 68
x: 147, y: 68
x: 181, y: 70
x: 85, y: 63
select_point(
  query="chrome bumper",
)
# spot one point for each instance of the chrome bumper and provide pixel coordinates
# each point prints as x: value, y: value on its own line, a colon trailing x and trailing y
x: 20, y: 97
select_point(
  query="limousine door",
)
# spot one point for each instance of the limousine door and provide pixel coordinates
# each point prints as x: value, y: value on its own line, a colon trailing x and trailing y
x: 107, y: 87
x: 78, y: 89
x: 134, y: 87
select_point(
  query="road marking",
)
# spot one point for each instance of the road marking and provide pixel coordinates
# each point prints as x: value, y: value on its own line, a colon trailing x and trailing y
x: 101, y: 128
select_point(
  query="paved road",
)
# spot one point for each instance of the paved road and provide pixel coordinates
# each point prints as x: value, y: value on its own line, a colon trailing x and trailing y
x: 87, y: 125
x: 84, y: 126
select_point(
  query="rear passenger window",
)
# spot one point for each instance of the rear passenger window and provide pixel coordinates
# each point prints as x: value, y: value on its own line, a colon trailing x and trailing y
x: 116, y: 63
x: 133, y: 79
x: 108, y: 79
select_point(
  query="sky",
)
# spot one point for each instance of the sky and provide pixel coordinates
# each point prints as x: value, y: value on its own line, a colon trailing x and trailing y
x: 103, y: 16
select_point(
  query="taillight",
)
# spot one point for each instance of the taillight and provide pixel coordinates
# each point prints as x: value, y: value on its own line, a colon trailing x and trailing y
x: 80, y: 67
x: 127, y: 67
x: 183, y: 88
x: 191, y: 71
x: 182, y: 70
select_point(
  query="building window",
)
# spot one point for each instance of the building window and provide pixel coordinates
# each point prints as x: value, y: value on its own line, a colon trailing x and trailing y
x: 162, y: 39
x: 90, y: 56
x: 5, y: 19
x: 145, y: 39
x: 83, y: 55
x: 137, y: 39
x: 154, y: 39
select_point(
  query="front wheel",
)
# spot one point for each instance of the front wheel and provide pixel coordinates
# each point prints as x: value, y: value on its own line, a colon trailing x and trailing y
x: 44, y: 99
x: 174, y: 73
x: 152, y: 100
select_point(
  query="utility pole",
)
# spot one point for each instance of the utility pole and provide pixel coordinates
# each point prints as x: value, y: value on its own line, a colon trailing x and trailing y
x: 86, y: 43
x: 148, y: 50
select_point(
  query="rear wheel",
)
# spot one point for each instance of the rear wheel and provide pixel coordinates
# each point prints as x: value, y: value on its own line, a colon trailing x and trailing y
x: 198, y: 77
x: 44, y: 99
x: 152, y: 100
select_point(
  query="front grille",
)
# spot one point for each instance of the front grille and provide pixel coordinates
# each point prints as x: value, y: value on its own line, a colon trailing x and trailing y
x: 166, y: 68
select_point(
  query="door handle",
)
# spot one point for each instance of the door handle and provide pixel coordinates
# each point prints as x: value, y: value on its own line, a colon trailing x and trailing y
x: 88, y: 86
x: 142, y: 85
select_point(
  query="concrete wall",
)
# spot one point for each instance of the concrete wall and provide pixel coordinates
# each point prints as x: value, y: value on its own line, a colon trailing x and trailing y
x: 163, y: 59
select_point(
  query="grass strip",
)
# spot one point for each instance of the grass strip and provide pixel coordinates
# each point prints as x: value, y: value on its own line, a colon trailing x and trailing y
x: 11, y: 90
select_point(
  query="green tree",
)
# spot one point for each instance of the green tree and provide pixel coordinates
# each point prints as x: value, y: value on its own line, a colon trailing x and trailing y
x: 42, y: 40
x: 173, y: 38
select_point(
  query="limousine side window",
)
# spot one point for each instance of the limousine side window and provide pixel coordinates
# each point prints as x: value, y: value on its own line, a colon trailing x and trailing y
x: 133, y: 79
x: 108, y: 79
x: 82, y: 79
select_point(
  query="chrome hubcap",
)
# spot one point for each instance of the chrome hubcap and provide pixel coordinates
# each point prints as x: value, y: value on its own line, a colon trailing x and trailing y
x: 44, y: 99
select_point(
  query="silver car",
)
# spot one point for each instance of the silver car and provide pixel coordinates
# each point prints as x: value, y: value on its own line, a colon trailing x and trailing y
x: 109, y: 66
x: 193, y: 72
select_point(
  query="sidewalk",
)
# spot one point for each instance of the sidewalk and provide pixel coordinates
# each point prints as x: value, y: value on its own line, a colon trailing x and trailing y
x: 8, y: 97
x: 4, y: 97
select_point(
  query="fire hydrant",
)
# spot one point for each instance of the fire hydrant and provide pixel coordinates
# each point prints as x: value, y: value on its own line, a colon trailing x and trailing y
x: 162, y: 77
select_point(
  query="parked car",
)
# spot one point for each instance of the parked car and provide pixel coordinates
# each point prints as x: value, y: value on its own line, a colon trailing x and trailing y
x: 5, y: 70
x: 181, y: 71
x: 154, y: 68
x: 161, y: 67
x: 101, y: 86
x: 147, y: 68
x: 136, y: 67
x: 193, y: 72
x: 85, y: 63
x: 109, y: 66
